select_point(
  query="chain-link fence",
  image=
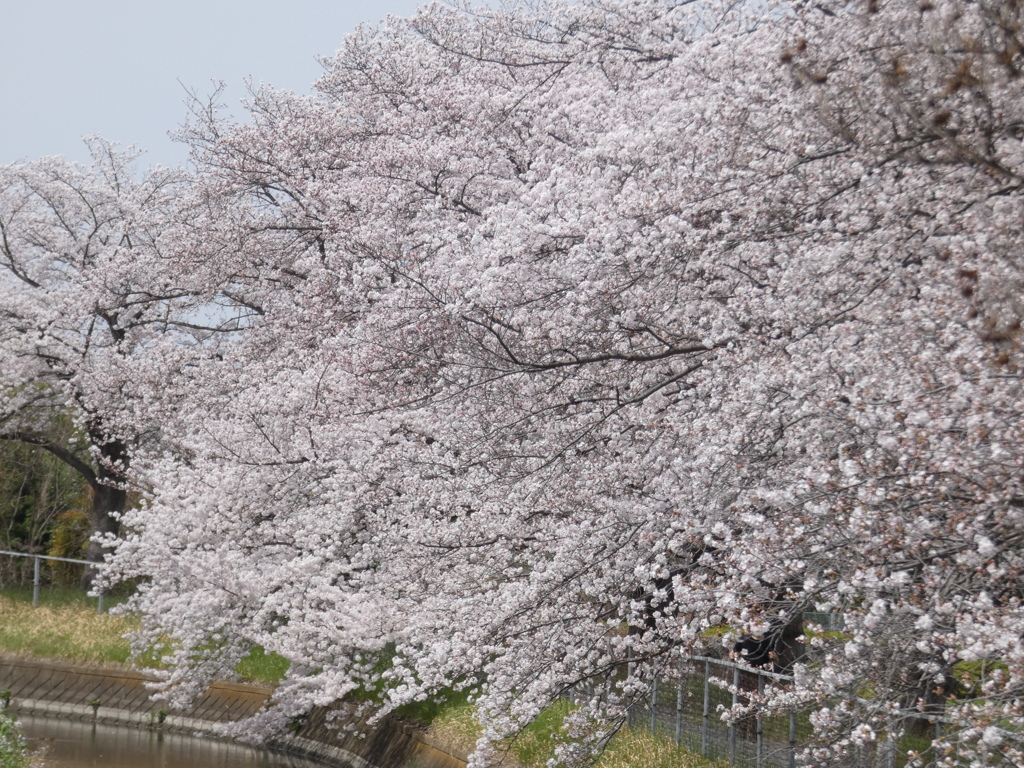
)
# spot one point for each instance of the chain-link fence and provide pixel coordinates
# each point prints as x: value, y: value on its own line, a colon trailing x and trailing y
x: 828, y: 622
x: 686, y: 704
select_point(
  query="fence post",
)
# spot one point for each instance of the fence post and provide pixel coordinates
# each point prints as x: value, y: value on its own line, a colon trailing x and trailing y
x: 35, y: 581
x: 760, y: 721
x: 707, y: 707
x: 679, y: 701
x: 629, y: 707
x: 732, y: 723
x: 604, y: 695
x: 654, y: 704
x: 792, y: 738
x: 602, y: 688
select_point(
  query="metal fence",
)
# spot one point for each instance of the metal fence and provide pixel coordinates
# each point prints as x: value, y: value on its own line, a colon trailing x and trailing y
x: 829, y: 622
x: 686, y: 705
x: 19, y: 570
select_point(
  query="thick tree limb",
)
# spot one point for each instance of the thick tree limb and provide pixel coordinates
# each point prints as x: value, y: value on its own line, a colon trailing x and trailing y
x: 61, y: 453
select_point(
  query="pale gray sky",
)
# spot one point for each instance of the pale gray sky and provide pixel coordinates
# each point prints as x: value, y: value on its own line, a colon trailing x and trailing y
x: 71, y: 68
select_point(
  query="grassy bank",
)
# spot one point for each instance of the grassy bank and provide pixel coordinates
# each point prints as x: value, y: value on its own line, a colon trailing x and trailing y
x: 456, y: 725
x: 67, y: 630
x: 66, y: 626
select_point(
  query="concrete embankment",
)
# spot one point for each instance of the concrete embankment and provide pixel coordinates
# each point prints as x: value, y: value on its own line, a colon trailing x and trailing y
x: 116, y: 695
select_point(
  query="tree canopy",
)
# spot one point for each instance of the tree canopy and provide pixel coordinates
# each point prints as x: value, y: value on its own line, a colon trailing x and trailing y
x: 564, y: 335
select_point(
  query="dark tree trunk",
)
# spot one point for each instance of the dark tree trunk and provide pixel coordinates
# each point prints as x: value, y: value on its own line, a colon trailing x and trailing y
x: 108, y: 502
x: 929, y: 697
x: 789, y: 645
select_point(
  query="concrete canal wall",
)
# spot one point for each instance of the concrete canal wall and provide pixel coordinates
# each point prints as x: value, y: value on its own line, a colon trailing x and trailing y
x: 118, y: 696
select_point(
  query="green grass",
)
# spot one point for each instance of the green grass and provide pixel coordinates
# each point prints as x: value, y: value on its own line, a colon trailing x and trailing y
x: 426, y: 712
x: 455, y: 725
x: 262, y: 667
x: 57, y: 597
x: 537, y: 742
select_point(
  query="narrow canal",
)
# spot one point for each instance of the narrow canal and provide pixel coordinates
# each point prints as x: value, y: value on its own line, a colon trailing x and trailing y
x: 71, y: 744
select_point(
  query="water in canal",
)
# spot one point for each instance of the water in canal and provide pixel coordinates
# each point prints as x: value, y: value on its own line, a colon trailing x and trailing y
x: 72, y: 744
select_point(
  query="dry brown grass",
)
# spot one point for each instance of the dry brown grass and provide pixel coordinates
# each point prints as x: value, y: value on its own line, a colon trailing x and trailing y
x: 75, y: 632
x: 70, y: 632
x: 455, y: 728
x: 640, y: 748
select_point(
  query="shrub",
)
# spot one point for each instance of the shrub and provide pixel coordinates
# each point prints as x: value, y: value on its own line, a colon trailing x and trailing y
x: 13, y: 749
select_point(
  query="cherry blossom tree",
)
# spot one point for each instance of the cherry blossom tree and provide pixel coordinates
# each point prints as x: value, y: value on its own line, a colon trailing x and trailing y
x: 585, y: 331
x: 92, y: 298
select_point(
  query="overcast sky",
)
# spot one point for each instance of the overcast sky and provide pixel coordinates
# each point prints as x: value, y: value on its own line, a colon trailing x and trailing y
x: 71, y: 68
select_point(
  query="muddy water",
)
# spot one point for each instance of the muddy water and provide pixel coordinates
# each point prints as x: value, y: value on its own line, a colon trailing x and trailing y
x: 71, y: 744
